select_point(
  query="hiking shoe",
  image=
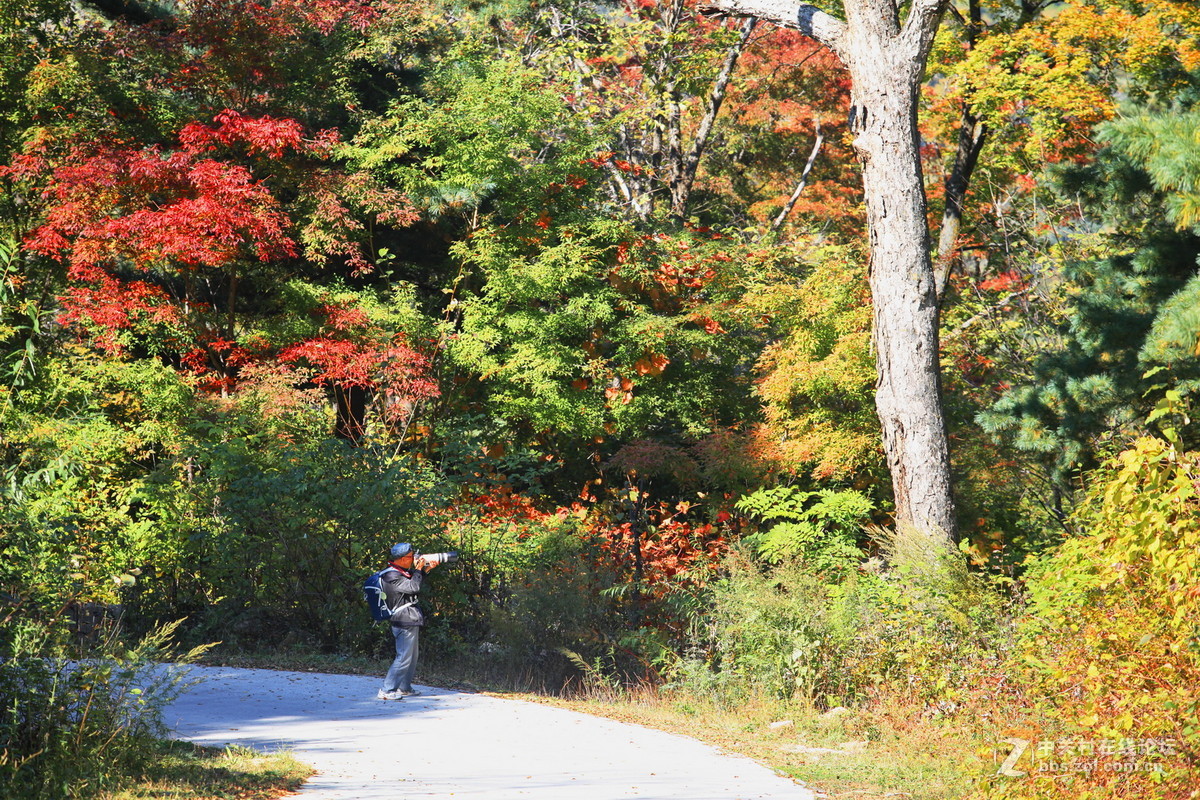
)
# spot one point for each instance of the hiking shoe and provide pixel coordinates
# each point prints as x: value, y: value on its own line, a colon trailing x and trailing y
x: 396, y: 695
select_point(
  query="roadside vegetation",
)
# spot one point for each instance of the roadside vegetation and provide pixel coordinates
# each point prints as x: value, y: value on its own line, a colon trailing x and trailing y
x: 190, y: 772
x: 580, y: 290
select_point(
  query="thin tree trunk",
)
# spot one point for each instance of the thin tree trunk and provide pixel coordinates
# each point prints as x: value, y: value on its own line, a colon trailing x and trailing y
x: 351, y: 409
x: 685, y: 173
x: 656, y: 147
x: 971, y: 137
x: 635, y: 512
x: 230, y: 305
x: 672, y: 159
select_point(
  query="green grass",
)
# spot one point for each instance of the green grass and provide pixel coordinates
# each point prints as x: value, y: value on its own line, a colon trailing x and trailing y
x: 184, y: 771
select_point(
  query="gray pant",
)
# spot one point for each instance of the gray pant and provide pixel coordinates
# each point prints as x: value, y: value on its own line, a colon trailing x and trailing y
x: 399, y: 677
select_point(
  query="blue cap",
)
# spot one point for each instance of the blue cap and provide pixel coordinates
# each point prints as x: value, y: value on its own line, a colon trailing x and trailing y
x: 400, y: 550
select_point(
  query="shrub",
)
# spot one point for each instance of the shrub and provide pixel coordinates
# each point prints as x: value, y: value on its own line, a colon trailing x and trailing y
x: 1110, y: 649
x: 919, y: 622
x: 297, y: 527
x: 70, y: 727
x: 523, y: 592
x: 821, y: 528
x: 771, y: 634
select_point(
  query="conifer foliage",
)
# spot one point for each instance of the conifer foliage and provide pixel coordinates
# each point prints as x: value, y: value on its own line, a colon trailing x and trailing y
x: 1129, y: 330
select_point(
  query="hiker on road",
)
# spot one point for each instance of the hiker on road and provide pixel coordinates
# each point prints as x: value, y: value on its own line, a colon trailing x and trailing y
x: 401, y: 583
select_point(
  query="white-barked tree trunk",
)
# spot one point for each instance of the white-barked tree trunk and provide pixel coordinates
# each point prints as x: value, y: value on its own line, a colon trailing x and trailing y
x: 886, y: 59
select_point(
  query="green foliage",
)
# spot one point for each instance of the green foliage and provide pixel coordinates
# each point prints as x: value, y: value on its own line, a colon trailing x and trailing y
x: 124, y: 484
x: 817, y: 374
x: 1088, y: 384
x: 1167, y: 146
x: 565, y: 321
x: 1174, y: 337
x: 24, y: 30
x: 298, y: 525
x: 69, y: 728
x: 769, y: 636
x: 83, y: 455
x: 819, y: 529
x: 991, y: 334
x: 484, y: 130
x: 585, y: 336
x: 21, y: 324
x: 828, y: 624
x: 917, y: 617
x: 529, y: 347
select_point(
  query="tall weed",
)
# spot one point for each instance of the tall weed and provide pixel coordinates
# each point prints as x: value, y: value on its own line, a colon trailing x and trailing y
x: 69, y: 728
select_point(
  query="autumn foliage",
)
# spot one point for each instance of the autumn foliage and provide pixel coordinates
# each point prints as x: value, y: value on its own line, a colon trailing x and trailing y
x: 561, y: 286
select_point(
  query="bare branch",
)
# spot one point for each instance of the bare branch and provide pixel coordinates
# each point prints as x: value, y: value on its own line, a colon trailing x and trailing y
x: 808, y: 19
x: 686, y: 173
x: 987, y: 312
x: 971, y: 137
x: 791, y: 203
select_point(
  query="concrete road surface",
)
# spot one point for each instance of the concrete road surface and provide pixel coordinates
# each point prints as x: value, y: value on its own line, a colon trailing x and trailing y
x: 453, y: 745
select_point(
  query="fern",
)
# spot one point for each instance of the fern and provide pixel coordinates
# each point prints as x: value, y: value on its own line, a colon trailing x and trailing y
x: 819, y: 529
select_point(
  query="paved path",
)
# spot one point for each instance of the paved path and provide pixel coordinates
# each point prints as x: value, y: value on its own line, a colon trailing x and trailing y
x: 449, y: 745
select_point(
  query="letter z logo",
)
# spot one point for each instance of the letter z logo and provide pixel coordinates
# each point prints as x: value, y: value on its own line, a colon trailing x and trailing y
x: 1018, y: 749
